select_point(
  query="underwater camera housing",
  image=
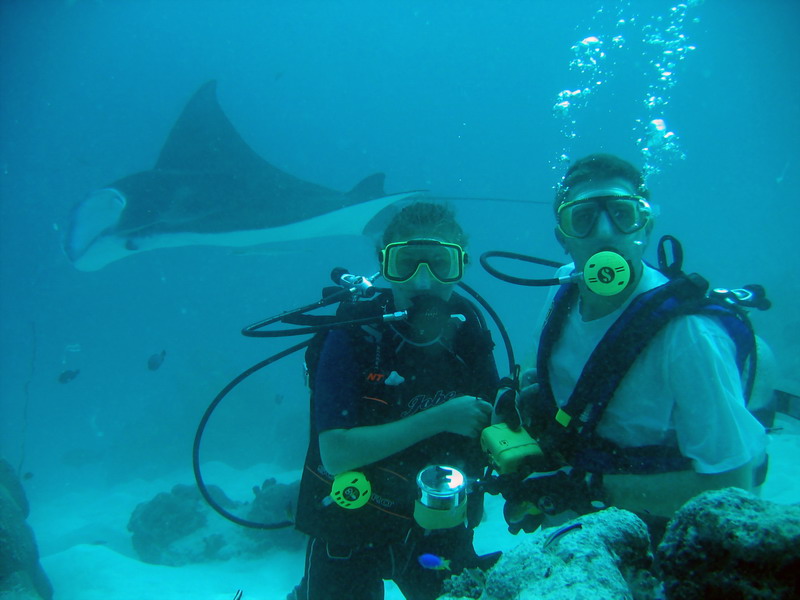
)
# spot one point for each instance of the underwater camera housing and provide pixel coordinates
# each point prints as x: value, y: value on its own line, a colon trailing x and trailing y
x: 512, y: 451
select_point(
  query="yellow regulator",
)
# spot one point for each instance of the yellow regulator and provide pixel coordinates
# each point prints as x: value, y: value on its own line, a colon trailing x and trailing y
x: 607, y: 273
x: 351, y: 489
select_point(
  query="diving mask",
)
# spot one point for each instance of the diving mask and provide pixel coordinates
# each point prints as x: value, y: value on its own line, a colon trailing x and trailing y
x: 400, y: 261
x: 578, y: 218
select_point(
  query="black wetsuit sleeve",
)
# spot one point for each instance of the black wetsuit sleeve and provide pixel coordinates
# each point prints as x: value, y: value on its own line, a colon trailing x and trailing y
x: 336, y: 386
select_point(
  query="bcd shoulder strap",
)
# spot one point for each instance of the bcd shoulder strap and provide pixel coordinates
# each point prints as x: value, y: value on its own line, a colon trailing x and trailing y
x: 572, y: 427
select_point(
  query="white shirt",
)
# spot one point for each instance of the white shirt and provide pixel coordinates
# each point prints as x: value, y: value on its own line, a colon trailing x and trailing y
x: 684, y: 388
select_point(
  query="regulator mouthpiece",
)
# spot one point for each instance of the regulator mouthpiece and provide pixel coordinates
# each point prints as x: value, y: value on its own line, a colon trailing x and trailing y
x: 428, y: 317
x: 607, y: 273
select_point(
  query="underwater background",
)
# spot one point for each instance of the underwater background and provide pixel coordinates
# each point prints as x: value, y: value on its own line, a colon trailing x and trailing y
x: 458, y: 98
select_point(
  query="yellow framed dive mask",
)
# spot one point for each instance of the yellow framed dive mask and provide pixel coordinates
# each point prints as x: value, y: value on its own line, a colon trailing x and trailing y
x: 400, y: 261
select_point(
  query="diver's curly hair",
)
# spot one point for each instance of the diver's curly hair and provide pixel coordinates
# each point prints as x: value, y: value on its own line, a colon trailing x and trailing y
x: 596, y: 167
x: 425, y: 219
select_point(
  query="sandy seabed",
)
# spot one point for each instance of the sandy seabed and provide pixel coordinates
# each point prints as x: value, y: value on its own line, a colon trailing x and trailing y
x: 87, y: 553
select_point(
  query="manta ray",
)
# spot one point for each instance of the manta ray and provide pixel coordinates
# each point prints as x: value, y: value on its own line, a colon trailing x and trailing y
x: 209, y: 187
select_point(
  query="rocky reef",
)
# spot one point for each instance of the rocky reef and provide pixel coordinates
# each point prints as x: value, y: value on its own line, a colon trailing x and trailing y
x: 600, y: 556
x: 725, y: 544
x: 21, y: 574
x: 730, y: 544
x: 179, y: 528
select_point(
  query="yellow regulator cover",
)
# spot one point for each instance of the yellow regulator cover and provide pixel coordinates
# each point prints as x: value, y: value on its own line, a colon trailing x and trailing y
x: 607, y: 273
x: 351, y: 489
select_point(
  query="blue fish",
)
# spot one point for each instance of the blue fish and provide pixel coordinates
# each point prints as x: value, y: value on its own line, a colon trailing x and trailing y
x: 154, y: 362
x: 433, y: 562
x: 559, y: 533
x: 67, y: 376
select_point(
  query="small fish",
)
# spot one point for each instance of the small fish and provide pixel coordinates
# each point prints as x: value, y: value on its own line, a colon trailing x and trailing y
x: 278, y: 399
x: 154, y: 362
x: 558, y: 533
x: 27, y: 476
x: 433, y: 562
x: 67, y: 376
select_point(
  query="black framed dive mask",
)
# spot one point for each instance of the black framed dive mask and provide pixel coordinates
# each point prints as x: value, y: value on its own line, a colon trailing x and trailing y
x: 578, y: 218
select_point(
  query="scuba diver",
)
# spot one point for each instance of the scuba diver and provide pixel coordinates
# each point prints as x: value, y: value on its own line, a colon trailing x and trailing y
x: 388, y: 401
x: 641, y: 377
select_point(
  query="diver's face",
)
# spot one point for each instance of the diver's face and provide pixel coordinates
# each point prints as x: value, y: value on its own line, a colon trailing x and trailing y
x: 604, y: 235
x: 423, y: 282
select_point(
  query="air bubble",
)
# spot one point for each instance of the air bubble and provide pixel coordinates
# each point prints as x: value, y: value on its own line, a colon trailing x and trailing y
x: 595, y: 56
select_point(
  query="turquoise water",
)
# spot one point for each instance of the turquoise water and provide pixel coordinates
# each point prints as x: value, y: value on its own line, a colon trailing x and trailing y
x: 454, y: 97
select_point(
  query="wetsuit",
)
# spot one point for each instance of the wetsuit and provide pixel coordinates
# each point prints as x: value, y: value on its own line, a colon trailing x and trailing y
x: 372, y: 376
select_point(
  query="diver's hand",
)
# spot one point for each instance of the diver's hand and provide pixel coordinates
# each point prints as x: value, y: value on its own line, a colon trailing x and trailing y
x: 529, y: 390
x: 550, y: 492
x: 506, y: 405
x: 528, y: 377
x: 464, y: 415
x: 523, y: 516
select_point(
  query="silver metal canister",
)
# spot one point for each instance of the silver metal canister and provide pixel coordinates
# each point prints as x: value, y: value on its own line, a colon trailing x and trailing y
x: 442, y: 497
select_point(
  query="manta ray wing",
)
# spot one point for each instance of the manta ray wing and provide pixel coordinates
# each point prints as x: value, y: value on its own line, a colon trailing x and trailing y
x: 203, y: 139
x: 209, y: 187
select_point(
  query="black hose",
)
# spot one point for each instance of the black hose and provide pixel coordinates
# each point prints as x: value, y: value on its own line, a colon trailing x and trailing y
x: 521, y: 257
x: 512, y: 363
x: 201, y: 428
x: 317, y: 324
